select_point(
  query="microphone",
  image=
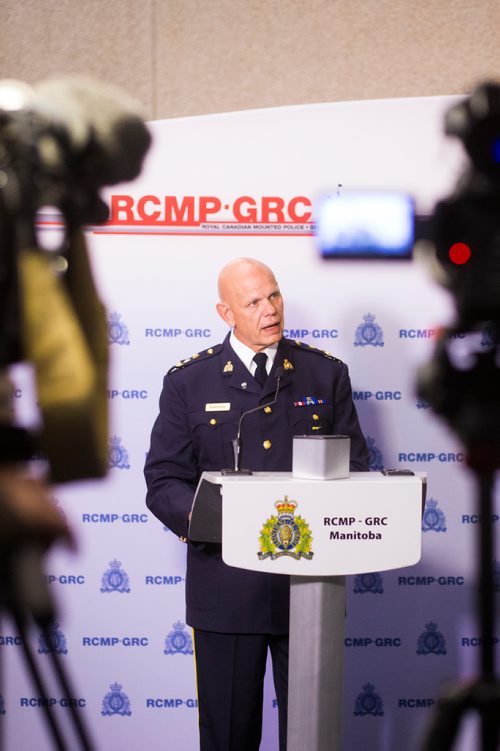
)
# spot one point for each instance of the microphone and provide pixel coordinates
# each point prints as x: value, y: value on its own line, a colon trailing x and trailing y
x: 236, y: 442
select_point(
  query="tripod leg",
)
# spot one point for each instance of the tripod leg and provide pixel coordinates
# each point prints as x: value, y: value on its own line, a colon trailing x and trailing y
x: 1, y: 684
x: 486, y: 606
x: 488, y: 706
x: 40, y: 686
x: 446, y: 721
x: 69, y: 693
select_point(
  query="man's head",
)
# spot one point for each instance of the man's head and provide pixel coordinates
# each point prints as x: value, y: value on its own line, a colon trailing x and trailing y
x: 250, y: 302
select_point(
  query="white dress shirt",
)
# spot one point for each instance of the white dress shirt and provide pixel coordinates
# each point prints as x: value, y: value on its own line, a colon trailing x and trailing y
x: 246, y: 354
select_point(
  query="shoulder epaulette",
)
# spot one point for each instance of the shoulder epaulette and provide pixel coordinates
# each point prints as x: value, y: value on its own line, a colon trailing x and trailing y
x: 309, y: 348
x: 198, y: 357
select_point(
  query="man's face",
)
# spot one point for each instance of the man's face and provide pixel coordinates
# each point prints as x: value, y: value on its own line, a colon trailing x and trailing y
x: 252, y: 304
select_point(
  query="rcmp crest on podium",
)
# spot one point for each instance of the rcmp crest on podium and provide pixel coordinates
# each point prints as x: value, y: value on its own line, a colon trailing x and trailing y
x: 285, y: 534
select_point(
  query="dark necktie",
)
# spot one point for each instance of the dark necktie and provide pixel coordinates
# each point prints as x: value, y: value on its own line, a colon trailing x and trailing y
x: 260, y: 374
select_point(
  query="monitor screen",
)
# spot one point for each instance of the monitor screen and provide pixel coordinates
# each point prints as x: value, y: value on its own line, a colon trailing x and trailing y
x: 363, y: 224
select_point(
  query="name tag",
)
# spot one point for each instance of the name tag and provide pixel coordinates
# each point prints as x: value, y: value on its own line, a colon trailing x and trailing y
x: 218, y: 407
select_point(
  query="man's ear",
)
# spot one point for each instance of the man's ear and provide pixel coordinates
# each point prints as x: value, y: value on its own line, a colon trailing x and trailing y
x: 225, y: 313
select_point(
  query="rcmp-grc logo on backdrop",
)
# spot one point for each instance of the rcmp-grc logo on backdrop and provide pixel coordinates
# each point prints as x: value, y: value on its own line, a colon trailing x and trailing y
x: 115, y: 579
x: 178, y: 641
x: 371, y: 582
x: 433, y: 519
x: 368, y: 702
x: 369, y: 333
x: 53, y: 641
x: 118, y: 454
x: 375, y: 458
x: 117, y: 331
x: 116, y: 702
x: 431, y: 641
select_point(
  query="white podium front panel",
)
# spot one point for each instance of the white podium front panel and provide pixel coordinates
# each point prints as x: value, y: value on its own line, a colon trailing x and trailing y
x: 278, y: 524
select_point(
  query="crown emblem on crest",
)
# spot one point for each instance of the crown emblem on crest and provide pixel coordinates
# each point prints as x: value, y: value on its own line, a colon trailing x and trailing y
x: 285, y: 507
x: 285, y: 534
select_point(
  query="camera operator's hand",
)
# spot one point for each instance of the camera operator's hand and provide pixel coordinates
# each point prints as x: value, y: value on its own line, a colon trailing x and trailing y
x: 27, y: 511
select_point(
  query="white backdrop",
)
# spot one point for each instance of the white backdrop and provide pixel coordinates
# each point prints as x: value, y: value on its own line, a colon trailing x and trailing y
x: 121, y: 631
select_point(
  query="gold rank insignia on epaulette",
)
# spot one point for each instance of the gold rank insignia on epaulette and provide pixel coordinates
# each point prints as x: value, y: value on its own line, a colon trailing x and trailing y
x: 311, y: 348
x: 198, y: 357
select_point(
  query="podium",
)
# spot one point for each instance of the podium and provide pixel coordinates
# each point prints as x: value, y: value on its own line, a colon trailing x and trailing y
x: 317, y: 531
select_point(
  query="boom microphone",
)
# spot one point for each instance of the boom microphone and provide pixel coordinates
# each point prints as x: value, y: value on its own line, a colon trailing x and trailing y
x: 236, y: 442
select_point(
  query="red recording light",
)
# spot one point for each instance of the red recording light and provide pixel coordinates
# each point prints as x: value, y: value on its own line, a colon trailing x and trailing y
x: 459, y: 253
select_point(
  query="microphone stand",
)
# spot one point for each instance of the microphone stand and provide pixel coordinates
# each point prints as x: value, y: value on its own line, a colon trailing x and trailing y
x: 236, y: 442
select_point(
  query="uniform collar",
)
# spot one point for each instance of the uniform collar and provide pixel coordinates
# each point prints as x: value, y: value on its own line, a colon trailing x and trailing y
x: 246, y: 354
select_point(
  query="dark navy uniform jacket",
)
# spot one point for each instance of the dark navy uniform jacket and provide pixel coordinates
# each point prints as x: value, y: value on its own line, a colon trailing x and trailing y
x: 200, y: 406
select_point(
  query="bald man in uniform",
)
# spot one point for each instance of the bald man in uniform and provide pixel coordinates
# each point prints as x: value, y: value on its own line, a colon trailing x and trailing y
x: 237, y: 615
